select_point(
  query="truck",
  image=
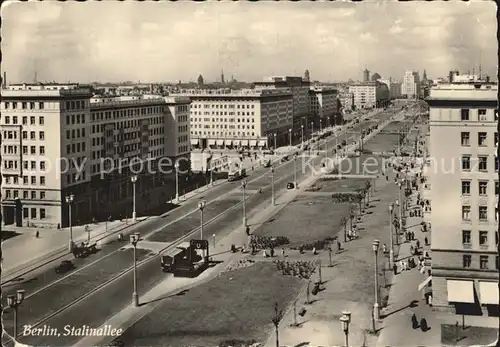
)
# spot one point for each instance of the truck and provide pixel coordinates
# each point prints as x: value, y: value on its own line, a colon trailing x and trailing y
x: 266, y: 162
x: 236, y: 174
x: 188, y: 259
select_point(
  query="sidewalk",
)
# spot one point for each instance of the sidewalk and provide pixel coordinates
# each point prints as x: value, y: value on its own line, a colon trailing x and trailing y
x: 220, y: 252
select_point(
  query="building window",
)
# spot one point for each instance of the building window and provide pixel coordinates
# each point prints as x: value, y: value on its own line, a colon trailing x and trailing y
x: 483, y: 262
x: 466, y: 237
x: 42, y: 213
x: 482, y: 114
x: 497, y: 163
x: 465, y: 187
x: 481, y: 139
x: 465, y: 138
x: 464, y: 114
x: 42, y: 195
x: 466, y: 162
x: 483, y: 213
x: 33, y: 213
x: 497, y: 262
x: 483, y: 163
x: 465, y: 212
x: 25, y: 212
x: 483, y: 237
x: 483, y: 187
x: 466, y: 261
x: 41, y: 120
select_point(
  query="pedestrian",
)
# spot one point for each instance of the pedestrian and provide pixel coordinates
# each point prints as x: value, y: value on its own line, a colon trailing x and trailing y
x: 423, y: 325
x: 37, y: 234
x: 301, y: 249
x: 418, y: 244
x: 414, y: 321
x: 339, y: 245
x: 386, y: 178
x: 264, y: 253
x: 411, y: 249
x: 247, y: 230
x: 283, y: 252
x: 272, y: 252
x: 314, y: 251
x: 426, y: 240
x: 384, y: 248
x: 395, y: 269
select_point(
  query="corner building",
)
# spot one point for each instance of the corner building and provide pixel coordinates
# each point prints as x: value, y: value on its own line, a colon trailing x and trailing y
x: 463, y: 179
x: 58, y: 140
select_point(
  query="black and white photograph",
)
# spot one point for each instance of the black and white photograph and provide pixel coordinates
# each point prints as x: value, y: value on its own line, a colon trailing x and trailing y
x: 249, y: 173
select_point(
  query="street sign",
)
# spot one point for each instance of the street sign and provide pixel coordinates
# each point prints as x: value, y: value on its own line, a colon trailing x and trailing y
x: 199, y: 244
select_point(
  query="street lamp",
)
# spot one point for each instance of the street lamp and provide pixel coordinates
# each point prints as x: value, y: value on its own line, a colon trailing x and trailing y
x: 278, y: 315
x: 312, y: 129
x: 391, y: 251
x: 272, y: 186
x: 176, y: 166
x: 376, y: 307
x: 290, y: 136
x: 320, y: 125
x: 295, y: 170
x: 134, y: 239
x: 244, y: 187
x: 201, y: 206
x: 69, y: 201
x: 133, y: 179
x: 14, y: 301
x: 275, y: 141
x: 302, y: 133
x: 346, y: 319
x: 400, y: 203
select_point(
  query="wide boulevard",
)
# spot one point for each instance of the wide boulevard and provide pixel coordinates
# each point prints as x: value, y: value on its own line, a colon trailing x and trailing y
x: 100, y: 286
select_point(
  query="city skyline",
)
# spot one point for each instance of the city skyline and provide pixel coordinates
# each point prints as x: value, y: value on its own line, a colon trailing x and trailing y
x: 335, y: 41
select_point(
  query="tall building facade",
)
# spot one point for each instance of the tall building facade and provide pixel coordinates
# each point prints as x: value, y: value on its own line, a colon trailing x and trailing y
x: 463, y: 200
x: 246, y: 119
x: 366, y: 75
x: 411, y: 85
x: 369, y: 94
x: 323, y: 104
x: 59, y: 141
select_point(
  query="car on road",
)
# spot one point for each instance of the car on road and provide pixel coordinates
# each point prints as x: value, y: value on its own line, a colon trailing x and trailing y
x: 290, y: 185
x: 65, y: 266
x: 344, y: 142
x: 339, y: 146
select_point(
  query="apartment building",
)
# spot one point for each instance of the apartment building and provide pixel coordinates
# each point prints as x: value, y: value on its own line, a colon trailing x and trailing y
x: 410, y: 87
x: 58, y: 141
x: 369, y: 94
x: 347, y: 101
x: 463, y: 179
x: 239, y: 119
x: 323, y: 104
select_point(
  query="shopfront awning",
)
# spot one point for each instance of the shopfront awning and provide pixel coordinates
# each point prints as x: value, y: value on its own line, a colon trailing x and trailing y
x: 262, y: 143
x: 460, y: 291
x: 220, y: 142
x: 194, y: 142
x: 424, y: 283
x: 211, y: 142
x: 236, y: 142
x: 229, y: 142
x: 488, y: 292
x: 244, y: 142
x: 253, y: 143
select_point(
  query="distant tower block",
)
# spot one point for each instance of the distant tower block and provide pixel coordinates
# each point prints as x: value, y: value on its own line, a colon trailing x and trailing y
x: 307, y: 76
x: 366, y: 75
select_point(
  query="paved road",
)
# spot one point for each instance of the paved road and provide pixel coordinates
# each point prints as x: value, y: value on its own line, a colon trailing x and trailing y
x: 97, y: 308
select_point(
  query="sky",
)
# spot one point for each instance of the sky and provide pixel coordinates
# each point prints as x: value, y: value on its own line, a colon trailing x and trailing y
x: 170, y: 41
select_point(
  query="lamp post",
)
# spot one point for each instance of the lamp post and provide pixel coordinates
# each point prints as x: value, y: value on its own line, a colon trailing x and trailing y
x: 346, y: 319
x: 14, y: 301
x: 133, y: 179
x: 272, y: 186
x: 69, y: 201
x: 295, y: 170
x: 312, y: 129
x: 134, y: 239
x: 302, y: 133
x: 244, y: 187
x: 176, y: 166
x: 274, y: 141
x: 290, y: 136
x: 278, y: 315
x: 320, y: 125
x: 400, y: 208
x: 391, y: 250
x: 376, y: 307
x: 201, y: 206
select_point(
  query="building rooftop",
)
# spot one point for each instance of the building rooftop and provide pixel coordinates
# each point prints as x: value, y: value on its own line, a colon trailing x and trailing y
x: 232, y: 93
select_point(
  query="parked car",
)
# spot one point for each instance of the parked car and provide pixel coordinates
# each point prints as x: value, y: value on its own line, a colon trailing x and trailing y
x: 290, y: 185
x: 344, y: 142
x: 64, y: 266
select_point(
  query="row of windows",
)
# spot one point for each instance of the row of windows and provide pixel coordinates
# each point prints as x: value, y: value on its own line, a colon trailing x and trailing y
x: 75, y: 119
x: 26, y: 179
x: 33, y: 182
x: 222, y: 126
x: 76, y: 147
x: 232, y: 120
x: 232, y: 133
x: 75, y: 133
x: 484, y: 262
x: 482, y: 213
x: 223, y: 106
x: 75, y: 177
x: 182, y: 138
x: 75, y: 105
x: 480, y: 165
x: 182, y: 128
x: 26, y: 194
x: 24, y: 105
x: 483, y: 237
x: 465, y: 114
x: 34, y: 214
x: 482, y: 187
x: 15, y: 120
x: 225, y: 113
x: 482, y: 138
x: 105, y: 115
x: 183, y: 149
